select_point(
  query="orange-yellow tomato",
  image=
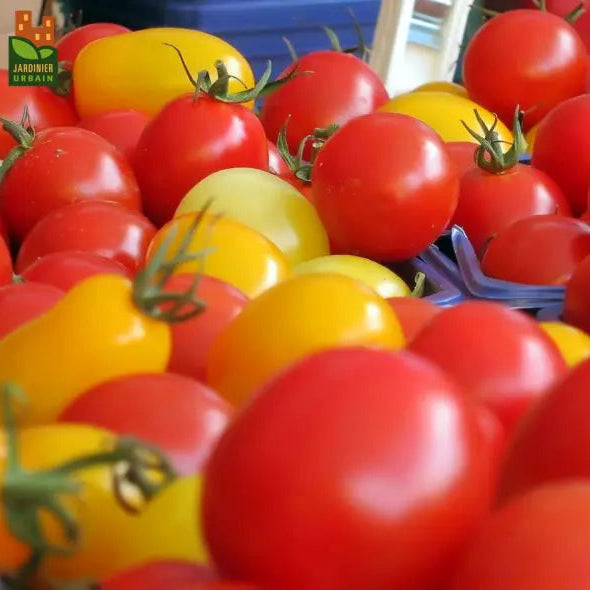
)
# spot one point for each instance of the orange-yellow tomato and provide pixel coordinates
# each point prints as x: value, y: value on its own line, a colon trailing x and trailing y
x: 442, y: 86
x: 302, y: 315
x: 574, y: 344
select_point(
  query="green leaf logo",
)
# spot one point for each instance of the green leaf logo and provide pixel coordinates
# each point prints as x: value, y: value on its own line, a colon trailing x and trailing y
x: 46, y: 52
x: 24, y: 48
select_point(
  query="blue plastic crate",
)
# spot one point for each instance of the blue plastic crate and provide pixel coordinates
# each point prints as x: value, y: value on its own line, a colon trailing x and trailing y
x: 254, y: 27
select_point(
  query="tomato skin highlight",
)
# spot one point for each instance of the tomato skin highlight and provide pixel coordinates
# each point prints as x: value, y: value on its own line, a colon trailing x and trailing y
x: 186, y: 142
x: 551, y: 67
x: 507, y: 367
x: 276, y: 164
x: 391, y: 200
x: 577, y: 295
x: 334, y: 467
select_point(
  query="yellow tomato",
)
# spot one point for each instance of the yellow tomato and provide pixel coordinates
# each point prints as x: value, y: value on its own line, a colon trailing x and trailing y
x: 238, y: 254
x: 530, y: 137
x: 442, y: 86
x: 444, y: 112
x: 378, y: 277
x: 138, y: 71
x: 300, y: 316
x: 265, y: 203
x: 573, y: 344
x: 110, y: 536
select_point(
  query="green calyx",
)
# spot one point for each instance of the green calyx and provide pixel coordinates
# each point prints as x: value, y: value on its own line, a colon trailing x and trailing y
x: 301, y: 168
x: 26, y: 495
x: 490, y: 154
x: 64, y: 79
x: 24, y: 135
x: 220, y: 88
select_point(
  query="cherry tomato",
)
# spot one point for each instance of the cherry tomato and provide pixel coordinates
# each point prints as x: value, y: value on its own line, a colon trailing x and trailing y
x: 391, y: 199
x: 5, y: 263
x: 67, y: 268
x: 577, y: 294
x: 494, y: 434
x: 276, y: 164
x: 265, y: 203
x: 190, y: 416
x: 574, y: 344
x: 3, y: 230
x: 337, y: 88
x: 507, y: 367
x: 73, y: 42
x: 442, y: 86
x: 360, y: 454
x: 413, y: 314
x: 189, y: 140
x: 21, y: 302
x: 489, y: 203
x: 65, y: 165
x: 550, y: 67
x: 538, y: 541
x: 121, y: 128
x: 272, y: 326
x: 98, y: 227
x: 562, y: 149
x: 552, y: 442
x: 463, y: 155
x: 538, y: 250
x: 192, y: 339
x: 46, y: 109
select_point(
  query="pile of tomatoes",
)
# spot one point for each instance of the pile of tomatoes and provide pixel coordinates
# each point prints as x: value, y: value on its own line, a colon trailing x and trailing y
x: 210, y: 377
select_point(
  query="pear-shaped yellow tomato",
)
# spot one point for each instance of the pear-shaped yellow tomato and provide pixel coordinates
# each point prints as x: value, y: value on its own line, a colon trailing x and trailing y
x: 265, y: 203
x: 237, y: 254
x: 444, y: 112
x: 573, y: 344
x: 530, y: 137
x: 110, y: 537
x: 138, y: 71
x: 442, y: 86
x: 384, y: 281
x: 298, y: 317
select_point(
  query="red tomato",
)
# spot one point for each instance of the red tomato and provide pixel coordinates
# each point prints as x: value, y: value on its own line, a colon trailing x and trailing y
x: 121, y: 128
x: 189, y: 140
x: 494, y: 433
x: 276, y: 164
x: 507, y: 365
x: 392, y: 198
x: 577, y: 295
x: 463, y: 155
x: 303, y: 187
x: 338, y: 88
x: 5, y: 263
x: 73, y: 42
x: 192, y: 339
x: 3, y: 231
x: 21, y: 302
x: 65, y: 165
x: 67, y: 268
x: 46, y: 109
x: 348, y: 458
x: 489, y: 203
x: 552, y: 443
x: 537, y: 75
x: 413, y: 314
x: 99, y: 227
x: 539, y: 541
x: 562, y: 149
x: 180, y: 415
x: 538, y: 250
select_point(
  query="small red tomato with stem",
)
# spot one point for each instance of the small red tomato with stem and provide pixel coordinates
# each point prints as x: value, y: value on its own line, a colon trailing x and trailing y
x: 121, y: 128
x: 181, y: 416
x: 5, y: 263
x: 499, y: 191
x: 67, y: 268
x: 391, y: 199
x: 99, y: 227
x: 60, y: 166
x: 549, y: 68
x: 576, y: 310
x: 507, y: 366
x: 21, y: 302
x: 196, y: 135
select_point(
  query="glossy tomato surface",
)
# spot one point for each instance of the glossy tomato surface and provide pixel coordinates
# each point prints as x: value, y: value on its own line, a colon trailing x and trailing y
x: 413, y: 313
x: 97, y: 227
x: 73, y: 42
x: 577, y: 294
x: 276, y: 164
x: 508, y: 363
x: 463, y: 155
x: 550, y: 67
x: 339, y: 471
x: 391, y: 199
x: 5, y: 263
x: 65, y: 165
